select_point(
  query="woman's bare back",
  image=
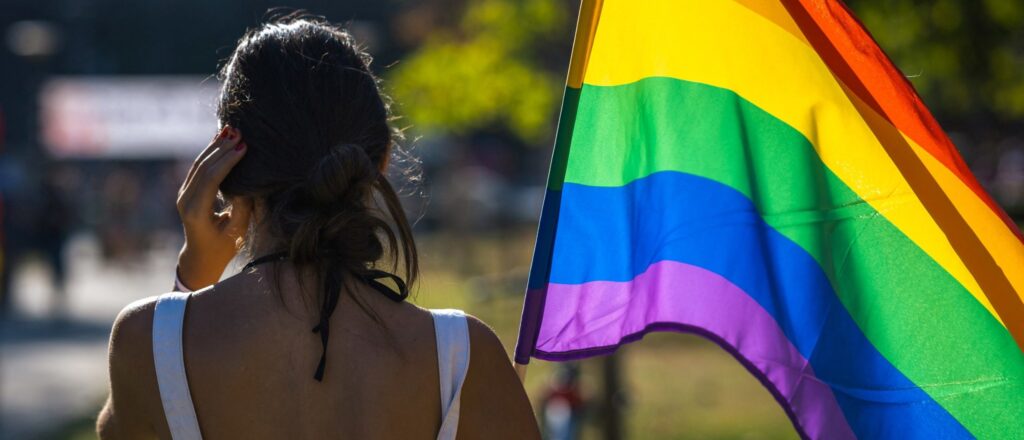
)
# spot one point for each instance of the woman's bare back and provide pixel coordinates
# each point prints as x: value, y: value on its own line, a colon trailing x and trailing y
x: 250, y: 358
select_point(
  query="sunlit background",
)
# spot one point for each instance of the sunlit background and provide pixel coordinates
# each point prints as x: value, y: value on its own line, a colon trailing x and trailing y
x: 104, y: 104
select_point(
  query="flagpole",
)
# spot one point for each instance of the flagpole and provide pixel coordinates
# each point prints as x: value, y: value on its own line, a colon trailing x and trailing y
x: 586, y: 26
x: 521, y: 371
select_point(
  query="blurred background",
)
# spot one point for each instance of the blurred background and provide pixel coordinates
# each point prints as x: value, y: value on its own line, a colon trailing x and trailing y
x: 104, y: 104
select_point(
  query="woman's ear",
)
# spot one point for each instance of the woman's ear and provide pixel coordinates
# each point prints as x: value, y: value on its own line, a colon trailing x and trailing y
x: 239, y: 215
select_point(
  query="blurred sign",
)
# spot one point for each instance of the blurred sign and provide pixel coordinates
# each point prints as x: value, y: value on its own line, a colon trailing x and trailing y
x: 128, y: 116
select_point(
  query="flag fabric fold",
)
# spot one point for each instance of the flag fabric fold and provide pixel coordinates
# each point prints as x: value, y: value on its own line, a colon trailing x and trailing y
x: 759, y: 173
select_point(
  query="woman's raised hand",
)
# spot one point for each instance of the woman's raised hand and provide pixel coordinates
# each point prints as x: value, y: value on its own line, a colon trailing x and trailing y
x: 211, y: 238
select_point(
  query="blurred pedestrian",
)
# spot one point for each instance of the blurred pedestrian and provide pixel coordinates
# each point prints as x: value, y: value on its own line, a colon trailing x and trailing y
x: 37, y: 221
x: 53, y: 224
x: 18, y: 216
x: 562, y: 404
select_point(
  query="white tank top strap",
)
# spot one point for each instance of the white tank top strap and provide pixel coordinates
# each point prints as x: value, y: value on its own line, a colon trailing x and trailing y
x: 169, y: 362
x: 452, y: 332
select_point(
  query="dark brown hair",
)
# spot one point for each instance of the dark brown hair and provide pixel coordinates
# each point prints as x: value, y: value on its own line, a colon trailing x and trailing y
x: 318, y: 139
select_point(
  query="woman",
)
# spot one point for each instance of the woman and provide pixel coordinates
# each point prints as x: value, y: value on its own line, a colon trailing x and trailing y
x: 311, y: 339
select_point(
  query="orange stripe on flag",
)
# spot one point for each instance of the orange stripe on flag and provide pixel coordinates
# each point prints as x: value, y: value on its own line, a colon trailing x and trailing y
x: 862, y: 65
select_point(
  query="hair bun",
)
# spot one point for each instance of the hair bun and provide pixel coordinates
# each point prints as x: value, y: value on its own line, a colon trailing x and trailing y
x: 342, y: 178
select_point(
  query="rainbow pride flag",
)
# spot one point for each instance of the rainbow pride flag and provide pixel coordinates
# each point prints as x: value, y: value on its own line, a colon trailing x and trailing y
x: 759, y: 173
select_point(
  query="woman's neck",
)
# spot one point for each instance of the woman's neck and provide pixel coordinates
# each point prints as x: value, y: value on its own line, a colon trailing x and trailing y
x: 260, y: 241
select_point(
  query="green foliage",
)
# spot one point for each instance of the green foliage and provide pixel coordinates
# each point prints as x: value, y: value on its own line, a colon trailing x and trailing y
x: 965, y: 57
x: 484, y: 72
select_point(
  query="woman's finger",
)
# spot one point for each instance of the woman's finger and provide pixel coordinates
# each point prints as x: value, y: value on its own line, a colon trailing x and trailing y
x: 228, y: 140
x: 210, y: 148
x: 224, y: 161
x: 213, y: 170
x: 200, y: 192
x: 217, y: 148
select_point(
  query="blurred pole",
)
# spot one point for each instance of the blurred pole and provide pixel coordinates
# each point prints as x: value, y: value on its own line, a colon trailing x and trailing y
x: 4, y: 307
x: 613, y: 396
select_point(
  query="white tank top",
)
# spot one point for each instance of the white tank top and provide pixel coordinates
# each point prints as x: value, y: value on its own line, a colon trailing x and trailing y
x: 450, y: 329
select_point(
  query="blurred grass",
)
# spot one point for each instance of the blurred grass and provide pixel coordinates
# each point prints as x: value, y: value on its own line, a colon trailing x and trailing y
x: 677, y: 386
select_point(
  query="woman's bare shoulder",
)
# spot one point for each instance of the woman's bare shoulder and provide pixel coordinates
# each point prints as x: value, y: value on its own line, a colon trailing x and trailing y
x: 131, y: 333
x: 485, y: 342
x: 131, y: 347
x: 495, y: 402
x: 134, y: 405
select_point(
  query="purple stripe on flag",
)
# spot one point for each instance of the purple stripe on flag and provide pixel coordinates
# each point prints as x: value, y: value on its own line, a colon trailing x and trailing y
x: 605, y: 314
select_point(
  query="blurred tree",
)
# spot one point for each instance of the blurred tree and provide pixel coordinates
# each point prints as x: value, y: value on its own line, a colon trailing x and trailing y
x: 485, y: 71
x: 965, y: 57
